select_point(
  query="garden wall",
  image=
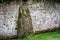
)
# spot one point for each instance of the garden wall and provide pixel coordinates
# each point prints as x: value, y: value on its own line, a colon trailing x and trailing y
x: 30, y: 17
x: 45, y: 15
x: 8, y: 19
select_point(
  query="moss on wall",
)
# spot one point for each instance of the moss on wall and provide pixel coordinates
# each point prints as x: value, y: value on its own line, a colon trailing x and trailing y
x: 24, y: 22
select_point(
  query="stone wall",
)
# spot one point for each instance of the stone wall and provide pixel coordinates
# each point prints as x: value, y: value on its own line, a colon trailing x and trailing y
x: 13, y: 22
x: 41, y: 16
x: 44, y: 15
x: 8, y: 19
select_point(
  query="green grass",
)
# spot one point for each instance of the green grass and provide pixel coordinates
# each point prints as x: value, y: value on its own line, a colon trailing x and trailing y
x: 44, y: 36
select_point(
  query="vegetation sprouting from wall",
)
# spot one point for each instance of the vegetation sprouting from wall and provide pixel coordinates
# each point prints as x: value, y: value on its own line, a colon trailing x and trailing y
x: 24, y: 20
x: 24, y: 17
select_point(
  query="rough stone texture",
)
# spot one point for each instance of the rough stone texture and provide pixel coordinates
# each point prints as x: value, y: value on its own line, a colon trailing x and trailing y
x: 8, y: 19
x: 45, y: 15
x: 13, y: 22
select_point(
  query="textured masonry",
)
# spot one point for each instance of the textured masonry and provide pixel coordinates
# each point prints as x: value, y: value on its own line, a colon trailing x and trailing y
x: 8, y: 19
x: 41, y: 16
x: 44, y: 15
